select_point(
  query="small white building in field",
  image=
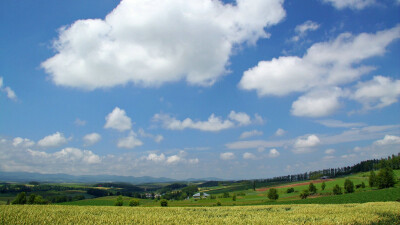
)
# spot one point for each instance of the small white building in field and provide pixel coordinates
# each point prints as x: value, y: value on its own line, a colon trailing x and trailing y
x: 199, y: 196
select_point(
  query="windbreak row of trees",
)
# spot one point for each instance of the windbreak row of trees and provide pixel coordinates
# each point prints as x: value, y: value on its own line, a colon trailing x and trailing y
x: 16, y: 188
x: 392, y: 162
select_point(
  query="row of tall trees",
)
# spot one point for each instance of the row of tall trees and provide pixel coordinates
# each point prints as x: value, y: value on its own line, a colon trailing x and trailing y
x: 392, y: 162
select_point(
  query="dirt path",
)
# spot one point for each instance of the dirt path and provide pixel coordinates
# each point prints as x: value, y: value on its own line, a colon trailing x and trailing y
x: 295, y: 185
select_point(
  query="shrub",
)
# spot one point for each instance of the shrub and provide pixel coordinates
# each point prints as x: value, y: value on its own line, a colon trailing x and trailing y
x: 312, y: 189
x: 348, y: 186
x: 273, y: 194
x: 337, y: 190
x: 290, y: 190
x: 219, y: 203
x: 362, y: 185
x: 164, y: 203
x: 134, y: 202
x: 304, y: 194
x: 234, y: 197
x: 323, y: 185
x: 226, y: 195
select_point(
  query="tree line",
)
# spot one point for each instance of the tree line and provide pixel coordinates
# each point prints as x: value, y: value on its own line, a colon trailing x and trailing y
x: 392, y: 162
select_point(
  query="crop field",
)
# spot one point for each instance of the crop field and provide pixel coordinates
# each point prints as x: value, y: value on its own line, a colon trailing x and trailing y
x: 367, y: 213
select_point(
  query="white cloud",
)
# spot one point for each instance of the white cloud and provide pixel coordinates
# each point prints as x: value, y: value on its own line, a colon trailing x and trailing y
x: 273, y: 153
x: 377, y: 93
x: 388, y: 140
x: 10, y: 93
x: 340, y: 124
x: 227, y: 156
x: 118, y: 120
x: 242, y: 118
x: 91, y: 139
x: 303, y: 28
x: 306, y: 145
x: 212, y: 124
x: 280, y: 132
x: 325, y: 66
x: 55, y: 140
x: 174, y: 159
x: 68, y: 155
x: 79, y: 122
x: 329, y: 151
x: 171, y: 160
x: 22, y: 142
x: 251, y: 133
x: 317, y: 103
x: 352, y: 4
x: 309, y: 141
x: 248, y: 155
x: 149, y: 43
x: 360, y: 134
x: 257, y: 144
x: 157, y: 138
x: 156, y: 158
x: 131, y: 141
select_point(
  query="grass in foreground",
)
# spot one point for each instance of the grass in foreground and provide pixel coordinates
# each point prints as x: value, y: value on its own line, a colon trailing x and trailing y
x: 367, y: 213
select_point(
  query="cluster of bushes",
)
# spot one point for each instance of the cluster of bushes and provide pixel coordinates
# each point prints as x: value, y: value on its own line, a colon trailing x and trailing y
x: 135, y: 202
x: 33, y: 199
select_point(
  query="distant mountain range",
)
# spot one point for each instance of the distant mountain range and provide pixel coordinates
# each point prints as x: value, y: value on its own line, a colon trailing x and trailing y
x: 66, y: 178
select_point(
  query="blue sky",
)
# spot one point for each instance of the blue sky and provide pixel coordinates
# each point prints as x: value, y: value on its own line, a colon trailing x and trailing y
x: 180, y: 89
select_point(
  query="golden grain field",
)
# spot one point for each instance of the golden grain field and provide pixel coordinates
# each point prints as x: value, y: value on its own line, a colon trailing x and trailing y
x: 367, y: 213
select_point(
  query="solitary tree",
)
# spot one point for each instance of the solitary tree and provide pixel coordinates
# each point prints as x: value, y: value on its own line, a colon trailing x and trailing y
x: 119, y: 202
x: 312, y: 189
x: 363, y: 185
x: 20, y: 199
x: 348, y: 186
x: 385, y: 178
x: 372, y: 179
x: 304, y: 194
x: 273, y: 194
x: 234, y: 197
x: 337, y: 190
x: 323, y: 185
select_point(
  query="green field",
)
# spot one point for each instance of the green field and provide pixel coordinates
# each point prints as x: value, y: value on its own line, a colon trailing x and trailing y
x: 259, y: 197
